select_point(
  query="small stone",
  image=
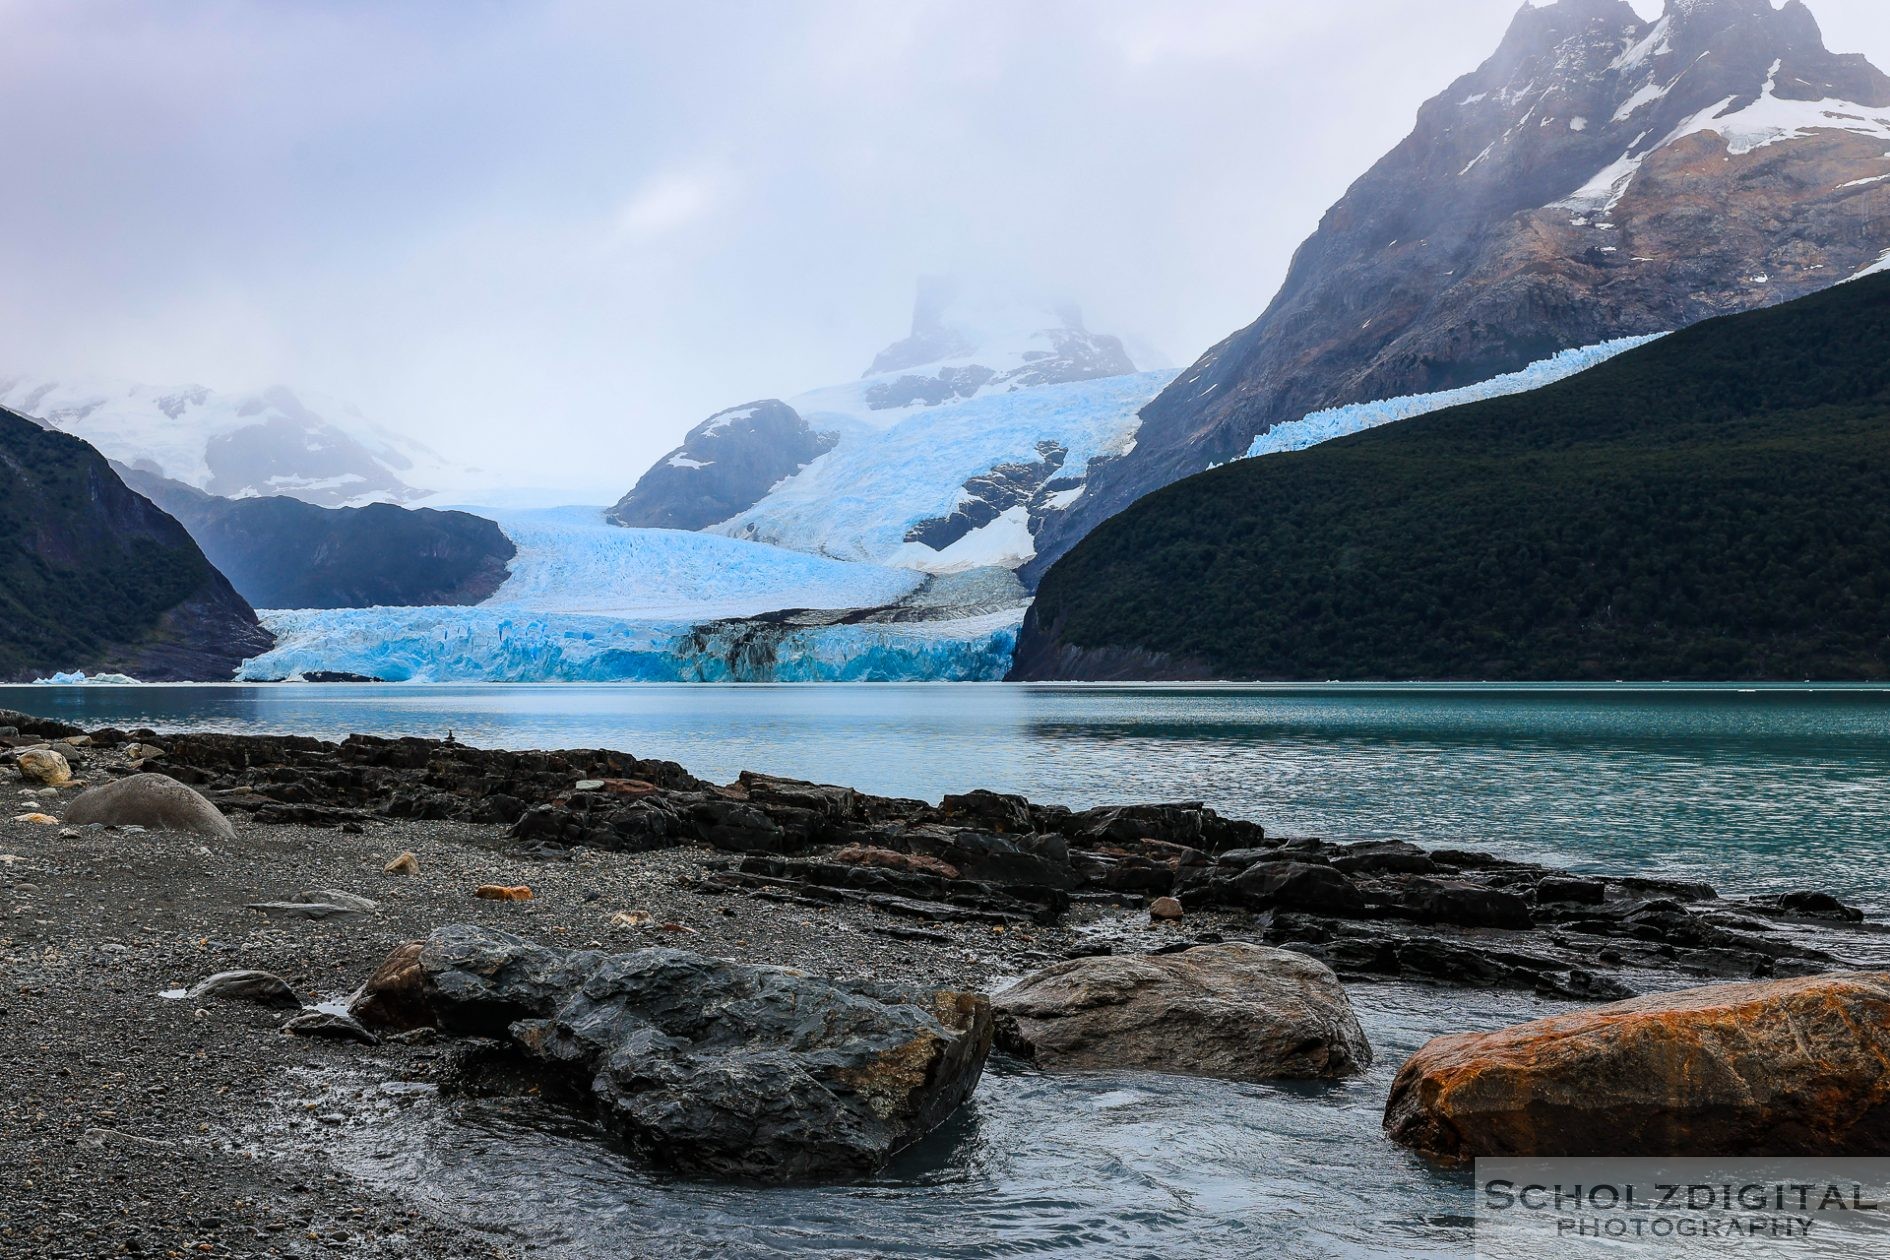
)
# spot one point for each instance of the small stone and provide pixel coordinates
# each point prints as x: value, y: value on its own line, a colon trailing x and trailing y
x: 630, y: 919
x: 503, y: 892
x: 68, y: 833
x: 262, y: 987
x: 335, y: 897
x: 302, y: 910
x: 682, y: 929
x: 143, y: 752
x: 1164, y: 910
x: 77, y: 741
x: 333, y: 1024
x: 405, y: 864
x: 44, y: 820
x: 44, y: 765
x: 589, y: 785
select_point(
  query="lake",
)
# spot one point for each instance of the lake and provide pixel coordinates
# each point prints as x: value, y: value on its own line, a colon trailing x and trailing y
x: 1753, y: 788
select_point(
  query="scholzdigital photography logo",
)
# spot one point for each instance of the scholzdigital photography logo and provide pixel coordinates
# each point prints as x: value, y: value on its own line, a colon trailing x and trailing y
x: 1614, y: 1207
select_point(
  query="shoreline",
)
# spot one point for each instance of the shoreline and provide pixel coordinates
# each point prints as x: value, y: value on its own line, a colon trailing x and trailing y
x: 100, y: 922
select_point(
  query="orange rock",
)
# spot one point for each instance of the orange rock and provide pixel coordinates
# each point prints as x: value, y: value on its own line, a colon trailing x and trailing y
x: 892, y: 859
x: 503, y: 892
x: 405, y: 864
x: 1770, y: 1068
x: 1164, y: 909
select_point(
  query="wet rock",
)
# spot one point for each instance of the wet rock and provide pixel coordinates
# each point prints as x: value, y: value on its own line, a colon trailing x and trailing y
x: 1568, y: 888
x: 1461, y: 903
x: 1237, y: 1011
x: 1773, y: 1068
x: 1001, y: 812
x: 44, y: 765
x: 1164, y: 910
x: 1297, y: 886
x: 264, y: 988
x: 891, y: 859
x: 153, y: 801
x: 405, y: 864
x: 335, y: 1025
x: 1818, y: 905
x: 1384, y: 857
x: 713, y: 1067
x: 394, y: 997
x: 503, y: 892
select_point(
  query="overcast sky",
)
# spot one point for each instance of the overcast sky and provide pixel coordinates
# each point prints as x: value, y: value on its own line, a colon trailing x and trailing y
x: 549, y: 237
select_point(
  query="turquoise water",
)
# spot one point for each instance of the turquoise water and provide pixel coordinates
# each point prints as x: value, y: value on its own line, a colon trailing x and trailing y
x: 1752, y: 788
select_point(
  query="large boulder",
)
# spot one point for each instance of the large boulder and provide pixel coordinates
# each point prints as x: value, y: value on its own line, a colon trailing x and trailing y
x: 44, y: 765
x: 150, y: 800
x: 1772, y: 1068
x: 706, y: 1066
x: 1238, y: 1011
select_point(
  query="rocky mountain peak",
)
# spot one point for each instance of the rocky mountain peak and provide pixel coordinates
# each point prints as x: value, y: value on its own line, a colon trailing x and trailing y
x: 1599, y: 176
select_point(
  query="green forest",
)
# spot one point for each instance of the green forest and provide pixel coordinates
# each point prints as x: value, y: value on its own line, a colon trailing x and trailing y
x: 1715, y: 505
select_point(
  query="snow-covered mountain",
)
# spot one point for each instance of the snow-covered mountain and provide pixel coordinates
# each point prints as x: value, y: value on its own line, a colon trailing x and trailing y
x: 273, y: 442
x: 1601, y: 176
x: 949, y: 454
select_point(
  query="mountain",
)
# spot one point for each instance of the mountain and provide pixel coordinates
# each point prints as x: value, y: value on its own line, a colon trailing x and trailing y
x: 725, y: 465
x: 280, y: 552
x: 274, y: 442
x: 946, y: 456
x: 1599, y: 177
x: 94, y: 577
x: 1707, y: 506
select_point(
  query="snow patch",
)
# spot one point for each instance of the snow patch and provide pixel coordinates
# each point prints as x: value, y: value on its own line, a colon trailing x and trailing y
x: 1334, y: 422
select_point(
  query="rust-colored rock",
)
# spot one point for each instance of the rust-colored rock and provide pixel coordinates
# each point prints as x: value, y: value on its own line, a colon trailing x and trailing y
x: 405, y: 864
x: 1164, y: 910
x: 1770, y: 1068
x: 893, y: 860
x: 503, y: 892
x: 394, y: 997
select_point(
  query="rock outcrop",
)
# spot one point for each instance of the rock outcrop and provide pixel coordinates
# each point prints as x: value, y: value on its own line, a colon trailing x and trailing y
x: 710, y: 1067
x: 93, y: 577
x: 1236, y: 1011
x: 1600, y: 176
x: 725, y: 465
x: 1780, y: 1068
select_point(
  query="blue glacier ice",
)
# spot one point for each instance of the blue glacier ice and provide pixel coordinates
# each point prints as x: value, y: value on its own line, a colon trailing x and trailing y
x: 570, y: 560
x: 1323, y: 426
x: 493, y: 644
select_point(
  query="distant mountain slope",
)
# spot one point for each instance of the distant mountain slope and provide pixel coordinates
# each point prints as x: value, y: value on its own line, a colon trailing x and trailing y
x: 961, y: 439
x: 1599, y: 177
x: 273, y: 442
x: 94, y: 577
x: 1708, y: 506
x: 283, y: 553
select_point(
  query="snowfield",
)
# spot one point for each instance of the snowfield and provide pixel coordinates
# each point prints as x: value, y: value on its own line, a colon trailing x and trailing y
x: 894, y: 468
x: 571, y: 560
x: 1323, y: 426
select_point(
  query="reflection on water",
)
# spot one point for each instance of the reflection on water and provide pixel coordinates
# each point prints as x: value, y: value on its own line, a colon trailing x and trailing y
x: 1753, y: 788
x: 1103, y: 1164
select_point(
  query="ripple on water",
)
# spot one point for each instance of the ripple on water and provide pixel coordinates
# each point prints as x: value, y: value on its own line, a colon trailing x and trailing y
x: 1092, y: 1164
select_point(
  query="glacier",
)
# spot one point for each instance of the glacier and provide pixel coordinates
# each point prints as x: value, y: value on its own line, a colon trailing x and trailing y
x: 587, y: 601
x: 572, y: 560
x: 488, y: 644
x: 894, y: 468
x: 1335, y: 422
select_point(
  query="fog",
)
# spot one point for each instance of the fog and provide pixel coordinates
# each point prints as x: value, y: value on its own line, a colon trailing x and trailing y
x: 547, y: 238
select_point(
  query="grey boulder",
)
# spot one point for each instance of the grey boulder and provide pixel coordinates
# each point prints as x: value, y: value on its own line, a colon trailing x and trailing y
x: 154, y: 801
x: 702, y: 1065
x: 264, y: 988
x: 1236, y: 1011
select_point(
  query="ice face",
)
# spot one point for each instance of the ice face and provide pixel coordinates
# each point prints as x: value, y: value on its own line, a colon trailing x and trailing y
x: 488, y: 644
x: 1323, y: 426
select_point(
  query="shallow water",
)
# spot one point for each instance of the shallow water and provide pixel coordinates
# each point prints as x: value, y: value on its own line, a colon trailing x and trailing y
x: 1753, y: 788
x: 1104, y: 1164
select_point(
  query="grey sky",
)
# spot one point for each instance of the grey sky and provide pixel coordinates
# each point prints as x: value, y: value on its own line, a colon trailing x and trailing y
x: 549, y: 237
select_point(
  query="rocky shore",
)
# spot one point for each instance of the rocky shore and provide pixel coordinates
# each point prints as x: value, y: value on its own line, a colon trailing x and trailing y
x: 141, y: 1124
